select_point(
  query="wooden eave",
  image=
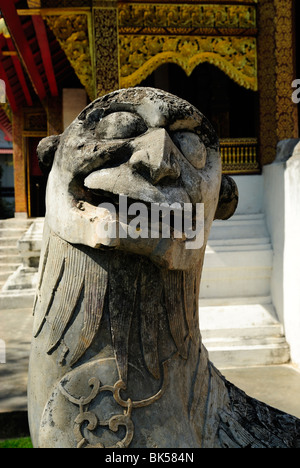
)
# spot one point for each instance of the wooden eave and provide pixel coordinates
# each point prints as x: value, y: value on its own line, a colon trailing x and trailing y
x: 32, y: 63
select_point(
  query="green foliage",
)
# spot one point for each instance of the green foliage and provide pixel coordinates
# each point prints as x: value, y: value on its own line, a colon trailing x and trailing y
x: 17, y: 443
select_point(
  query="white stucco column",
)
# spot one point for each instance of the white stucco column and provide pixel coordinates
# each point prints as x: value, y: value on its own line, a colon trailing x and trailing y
x: 74, y: 100
x: 282, y: 207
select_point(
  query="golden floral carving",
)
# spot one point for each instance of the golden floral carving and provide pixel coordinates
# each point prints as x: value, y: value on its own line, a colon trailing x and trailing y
x: 106, y: 50
x: 141, y: 55
x: 286, y: 111
x: 278, y: 114
x: 71, y: 32
x: 186, y: 16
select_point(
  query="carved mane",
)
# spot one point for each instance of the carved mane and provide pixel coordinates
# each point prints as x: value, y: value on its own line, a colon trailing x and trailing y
x: 78, y: 278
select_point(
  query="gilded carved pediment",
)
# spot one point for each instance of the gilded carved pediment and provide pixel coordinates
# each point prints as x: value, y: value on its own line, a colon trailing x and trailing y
x: 187, y: 34
x: 72, y: 33
x: 141, y: 55
x: 150, y: 35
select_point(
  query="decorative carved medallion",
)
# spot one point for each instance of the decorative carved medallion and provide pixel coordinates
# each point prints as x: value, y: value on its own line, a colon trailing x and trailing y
x: 86, y: 415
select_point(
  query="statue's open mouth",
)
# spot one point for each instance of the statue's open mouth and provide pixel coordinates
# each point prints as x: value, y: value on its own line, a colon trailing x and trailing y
x: 117, y: 200
x: 100, y: 197
x: 147, y: 219
x: 129, y: 208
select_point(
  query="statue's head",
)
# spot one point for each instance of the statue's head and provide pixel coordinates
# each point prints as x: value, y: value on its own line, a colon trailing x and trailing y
x: 136, y: 145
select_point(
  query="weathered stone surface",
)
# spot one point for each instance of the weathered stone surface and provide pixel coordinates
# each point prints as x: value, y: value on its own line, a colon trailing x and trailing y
x: 117, y: 358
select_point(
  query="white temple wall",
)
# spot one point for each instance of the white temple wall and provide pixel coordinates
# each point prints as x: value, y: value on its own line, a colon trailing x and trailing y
x: 251, y: 191
x: 282, y: 208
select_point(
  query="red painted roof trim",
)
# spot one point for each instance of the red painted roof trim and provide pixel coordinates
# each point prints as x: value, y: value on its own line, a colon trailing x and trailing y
x: 9, y: 93
x: 20, y: 74
x: 5, y: 126
x: 42, y: 38
x: 14, y: 25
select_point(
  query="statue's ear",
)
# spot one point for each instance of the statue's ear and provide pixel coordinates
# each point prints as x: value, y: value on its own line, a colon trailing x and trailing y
x: 228, y: 198
x: 46, y: 151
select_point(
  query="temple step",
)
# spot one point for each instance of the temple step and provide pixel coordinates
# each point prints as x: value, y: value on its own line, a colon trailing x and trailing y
x: 245, y: 334
x: 238, y: 260
x: 11, y: 230
x: 237, y: 318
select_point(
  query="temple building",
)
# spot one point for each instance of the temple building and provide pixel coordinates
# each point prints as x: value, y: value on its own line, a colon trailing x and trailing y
x: 235, y: 61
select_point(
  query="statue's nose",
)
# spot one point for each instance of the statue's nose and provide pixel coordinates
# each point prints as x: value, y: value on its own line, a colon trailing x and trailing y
x: 155, y: 157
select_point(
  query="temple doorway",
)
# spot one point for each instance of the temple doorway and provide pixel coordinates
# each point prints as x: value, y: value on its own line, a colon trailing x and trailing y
x: 37, y: 181
x: 232, y: 109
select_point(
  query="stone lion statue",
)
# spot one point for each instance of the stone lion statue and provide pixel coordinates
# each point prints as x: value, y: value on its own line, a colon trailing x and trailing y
x: 117, y: 359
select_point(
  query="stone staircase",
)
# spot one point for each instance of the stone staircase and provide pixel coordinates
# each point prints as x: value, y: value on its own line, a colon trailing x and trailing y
x: 11, y: 230
x: 238, y: 321
x: 19, y: 289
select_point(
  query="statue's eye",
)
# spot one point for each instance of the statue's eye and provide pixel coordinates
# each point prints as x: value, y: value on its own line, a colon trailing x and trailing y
x: 191, y: 147
x: 120, y: 125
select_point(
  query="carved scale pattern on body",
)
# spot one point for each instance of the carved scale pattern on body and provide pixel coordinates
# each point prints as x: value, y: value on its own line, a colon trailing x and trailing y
x: 253, y: 424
